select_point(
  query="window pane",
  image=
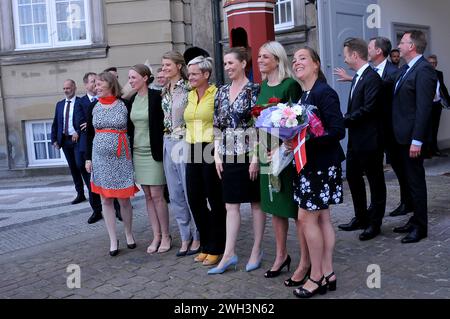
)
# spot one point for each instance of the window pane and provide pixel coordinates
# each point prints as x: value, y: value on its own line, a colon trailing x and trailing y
x: 39, y: 1
x: 53, y: 152
x: 277, y: 12
x: 283, y: 12
x: 25, y: 16
x: 64, y: 32
x: 41, y: 33
x: 26, y: 35
x: 61, y: 12
x: 39, y: 151
x: 24, y: 1
x: 78, y: 6
x: 38, y: 132
x: 79, y: 33
x: 288, y: 12
x: 39, y: 14
x: 48, y: 128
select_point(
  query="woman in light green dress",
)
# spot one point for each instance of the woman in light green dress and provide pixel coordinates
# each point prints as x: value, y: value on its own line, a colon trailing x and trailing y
x: 146, y: 136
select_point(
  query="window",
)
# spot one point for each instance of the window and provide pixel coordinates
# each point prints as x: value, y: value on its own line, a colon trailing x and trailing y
x: 284, y: 15
x: 51, y: 23
x: 41, y: 152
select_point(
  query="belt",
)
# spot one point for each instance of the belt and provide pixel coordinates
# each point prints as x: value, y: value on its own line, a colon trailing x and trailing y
x: 174, y: 136
x: 122, y: 140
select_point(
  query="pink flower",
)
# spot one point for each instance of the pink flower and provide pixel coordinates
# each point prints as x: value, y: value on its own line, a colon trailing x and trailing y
x: 288, y: 113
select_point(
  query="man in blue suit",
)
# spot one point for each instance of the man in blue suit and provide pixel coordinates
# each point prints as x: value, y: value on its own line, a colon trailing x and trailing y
x: 65, y: 136
x: 414, y: 91
x: 80, y: 115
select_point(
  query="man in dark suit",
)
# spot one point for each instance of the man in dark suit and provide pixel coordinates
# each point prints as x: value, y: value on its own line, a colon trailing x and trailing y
x: 80, y: 118
x: 65, y: 136
x: 379, y: 48
x: 365, y: 148
x: 440, y: 100
x: 414, y: 91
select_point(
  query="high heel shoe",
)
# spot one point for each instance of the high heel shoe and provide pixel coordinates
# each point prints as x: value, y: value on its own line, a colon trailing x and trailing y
x: 152, y: 250
x: 331, y: 284
x: 231, y: 262
x: 304, y: 293
x: 162, y: 249
x: 113, y: 253
x: 250, y: 267
x: 275, y: 273
x: 293, y: 283
x: 133, y: 245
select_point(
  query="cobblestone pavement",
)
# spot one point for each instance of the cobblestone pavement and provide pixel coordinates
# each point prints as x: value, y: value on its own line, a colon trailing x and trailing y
x: 41, y: 234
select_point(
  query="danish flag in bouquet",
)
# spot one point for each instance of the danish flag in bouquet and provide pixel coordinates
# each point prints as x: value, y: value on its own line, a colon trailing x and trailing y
x: 290, y: 121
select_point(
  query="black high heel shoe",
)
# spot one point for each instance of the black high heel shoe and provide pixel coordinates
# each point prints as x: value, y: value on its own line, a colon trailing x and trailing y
x: 113, y: 253
x: 304, y: 293
x: 292, y: 283
x: 133, y: 245
x: 331, y: 284
x: 275, y: 273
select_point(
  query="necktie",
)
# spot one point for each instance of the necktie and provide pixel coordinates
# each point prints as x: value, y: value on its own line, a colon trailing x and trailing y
x: 375, y: 69
x: 355, y: 78
x: 405, y: 68
x: 66, y: 120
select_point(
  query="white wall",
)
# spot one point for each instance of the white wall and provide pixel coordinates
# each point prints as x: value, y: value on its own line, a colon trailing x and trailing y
x: 433, y: 13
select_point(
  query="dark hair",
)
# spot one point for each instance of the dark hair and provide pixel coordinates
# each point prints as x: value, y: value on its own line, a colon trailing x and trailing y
x: 112, y: 81
x: 384, y: 44
x: 143, y: 71
x: 113, y: 68
x: 316, y: 59
x: 87, y: 75
x: 241, y: 53
x: 432, y: 56
x: 419, y: 39
x: 395, y: 50
x: 359, y: 46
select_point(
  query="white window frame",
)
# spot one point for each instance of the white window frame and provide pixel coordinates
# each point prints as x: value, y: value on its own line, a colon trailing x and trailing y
x: 52, y: 28
x: 286, y: 25
x: 32, y: 161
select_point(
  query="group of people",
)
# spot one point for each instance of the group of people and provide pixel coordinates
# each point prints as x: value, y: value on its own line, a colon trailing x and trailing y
x: 193, y: 137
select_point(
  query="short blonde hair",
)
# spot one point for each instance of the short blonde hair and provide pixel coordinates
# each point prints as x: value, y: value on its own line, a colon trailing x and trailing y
x: 204, y: 64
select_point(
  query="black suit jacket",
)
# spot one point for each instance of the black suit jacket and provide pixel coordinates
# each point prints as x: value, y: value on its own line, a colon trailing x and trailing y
x: 156, y: 123
x: 80, y: 117
x: 325, y: 151
x: 412, y: 104
x: 364, y: 113
x: 390, y: 73
x: 58, y: 120
x: 443, y: 90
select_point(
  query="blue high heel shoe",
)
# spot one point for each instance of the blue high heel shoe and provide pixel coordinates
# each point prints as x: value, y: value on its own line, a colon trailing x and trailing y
x: 250, y: 267
x: 217, y: 270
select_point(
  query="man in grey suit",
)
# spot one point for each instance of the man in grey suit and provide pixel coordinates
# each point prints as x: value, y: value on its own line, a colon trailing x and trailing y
x: 414, y: 91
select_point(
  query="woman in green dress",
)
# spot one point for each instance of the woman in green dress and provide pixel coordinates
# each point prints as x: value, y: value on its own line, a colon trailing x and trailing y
x: 276, y: 192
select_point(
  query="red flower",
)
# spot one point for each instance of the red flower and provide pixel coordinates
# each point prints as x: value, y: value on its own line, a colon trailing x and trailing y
x: 274, y: 100
x: 256, y: 110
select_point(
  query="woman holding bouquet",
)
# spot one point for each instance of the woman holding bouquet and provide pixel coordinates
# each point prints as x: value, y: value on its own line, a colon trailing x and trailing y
x: 319, y: 183
x: 236, y: 161
x: 277, y: 192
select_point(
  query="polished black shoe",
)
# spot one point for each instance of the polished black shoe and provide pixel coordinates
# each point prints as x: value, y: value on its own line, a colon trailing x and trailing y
x: 113, y: 253
x: 402, y: 209
x: 194, y: 251
x: 95, y: 217
x: 353, y: 225
x: 369, y: 233
x: 276, y: 273
x: 131, y: 246
x: 293, y: 283
x: 181, y: 253
x: 304, y: 293
x: 408, y: 227
x: 331, y: 284
x: 79, y: 199
x: 414, y: 236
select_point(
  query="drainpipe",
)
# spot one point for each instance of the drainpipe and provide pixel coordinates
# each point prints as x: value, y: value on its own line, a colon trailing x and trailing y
x: 217, y: 36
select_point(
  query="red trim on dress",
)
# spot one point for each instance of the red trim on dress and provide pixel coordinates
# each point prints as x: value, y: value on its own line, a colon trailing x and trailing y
x: 107, y: 99
x: 115, y: 193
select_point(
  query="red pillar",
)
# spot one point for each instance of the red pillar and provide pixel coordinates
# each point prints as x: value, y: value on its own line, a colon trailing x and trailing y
x: 256, y: 18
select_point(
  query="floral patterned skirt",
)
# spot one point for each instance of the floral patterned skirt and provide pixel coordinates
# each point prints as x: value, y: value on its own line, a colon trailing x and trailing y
x: 316, y: 190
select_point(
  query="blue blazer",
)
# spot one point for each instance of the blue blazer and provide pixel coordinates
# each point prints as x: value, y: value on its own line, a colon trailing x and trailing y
x: 58, y: 120
x: 80, y: 116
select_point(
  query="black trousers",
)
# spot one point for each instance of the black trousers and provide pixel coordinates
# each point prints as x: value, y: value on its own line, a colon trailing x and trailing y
x: 415, y: 179
x: 203, y: 188
x: 435, y: 119
x: 369, y: 163
x: 393, y: 152
x: 68, y: 148
x: 94, y: 199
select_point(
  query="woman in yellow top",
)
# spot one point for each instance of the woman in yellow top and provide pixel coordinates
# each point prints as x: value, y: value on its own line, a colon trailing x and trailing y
x: 202, y: 182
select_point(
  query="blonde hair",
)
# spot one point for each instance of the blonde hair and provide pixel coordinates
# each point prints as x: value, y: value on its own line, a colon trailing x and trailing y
x: 204, y: 64
x: 177, y: 58
x: 277, y: 50
x: 112, y: 81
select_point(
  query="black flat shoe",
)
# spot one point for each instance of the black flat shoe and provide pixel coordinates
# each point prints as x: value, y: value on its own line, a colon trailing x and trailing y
x: 292, y: 283
x: 193, y: 251
x: 304, y: 293
x: 276, y: 273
